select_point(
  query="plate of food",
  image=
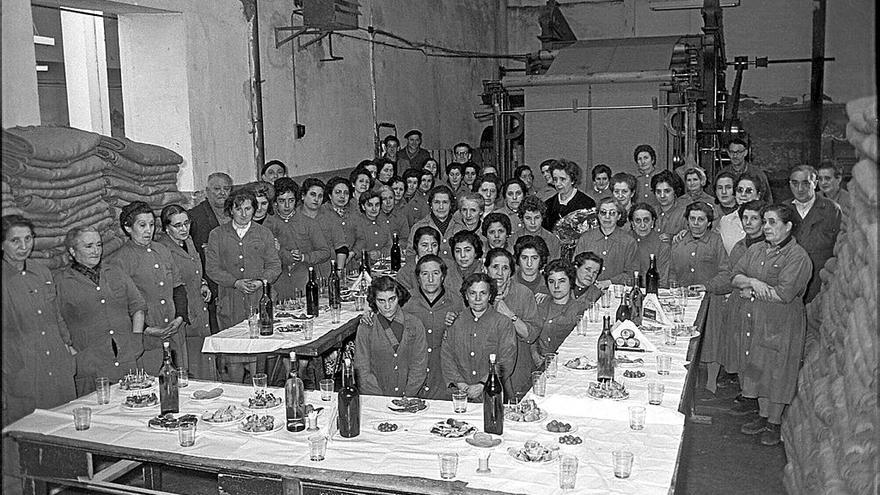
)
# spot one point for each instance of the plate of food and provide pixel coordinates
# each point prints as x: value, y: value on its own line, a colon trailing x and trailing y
x: 608, y: 390
x: 534, y: 452
x: 141, y: 401
x: 140, y: 381
x: 649, y: 328
x: 635, y: 375
x: 570, y: 440
x: 524, y: 412
x: 288, y: 327
x: 388, y: 426
x: 167, y: 421
x: 452, y: 428
x: 484, y: 440
x: 626, y: 361
x: 581, y: 363
x: 260, y: 424
x: 408, y: 405
x: 695, y: 291
x: 224, y: 415
x: 262, y: 400
x: 556, y: 426
x: 206, y: 395
x: 686, y: 331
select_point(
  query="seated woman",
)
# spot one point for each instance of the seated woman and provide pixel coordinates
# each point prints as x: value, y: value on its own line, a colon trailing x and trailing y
x: 772, y: 278
x: 642, y: 218
x: 587, y: 266
x: 435, y: 305
x: 487, y: 187
x: 525, y: 175
x: 370, y: 233
x: 699, y: 259
x: 530, y: 253
x: 391, y: 351
x: 496, y: 231
x: 623, y: 190
x: 467, y: 254
x: 513, y: 191
x: 470, y: 211
x: 616, y: 246
x: 561, y: 312
x: 426, y: 240
x: 531, y: 214
x: 479, y: 331
x: 454, y: 173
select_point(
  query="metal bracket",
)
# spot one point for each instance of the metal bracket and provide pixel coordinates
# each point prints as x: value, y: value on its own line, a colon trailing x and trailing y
x: 302, y: 30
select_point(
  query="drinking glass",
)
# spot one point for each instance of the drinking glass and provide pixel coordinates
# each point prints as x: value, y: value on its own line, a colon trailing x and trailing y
x: 664, y: 363
x: 483, y: 461
x: 82, y: 418
x: 102, y: 389
x: 312, y: 420
x: 448, y: 465
x: 317, y: 447
x: 539, y: 383
x: 254, y: 323
x: 182, y: 377
x: 655, y: 393
x: 637, y: 417
x: 623, y: 461
x: 669, y: 337
x: 593, y: 313
x: 261, y: 382
x: 459, y: 402
x: 336, y: 311
x: 607, y: 296
x: 186, y: 434
x: 326, y: 389
x: 550, y: 364
x: 568, y: 468
x: 309, y: 329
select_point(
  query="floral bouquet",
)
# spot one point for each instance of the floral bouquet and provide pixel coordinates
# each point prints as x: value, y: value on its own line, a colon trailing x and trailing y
x: 570, y: 227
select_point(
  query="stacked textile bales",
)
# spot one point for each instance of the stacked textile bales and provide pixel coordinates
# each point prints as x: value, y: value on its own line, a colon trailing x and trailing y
x: 831, y: 432
x: 61, y: 178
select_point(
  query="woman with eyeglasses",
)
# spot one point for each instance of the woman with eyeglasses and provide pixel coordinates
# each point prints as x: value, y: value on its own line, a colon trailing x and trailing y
x: 616, y: 246
x: 175, y: 225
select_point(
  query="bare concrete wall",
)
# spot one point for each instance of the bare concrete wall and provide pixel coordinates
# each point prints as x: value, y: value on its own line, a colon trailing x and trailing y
x: 20, y: 103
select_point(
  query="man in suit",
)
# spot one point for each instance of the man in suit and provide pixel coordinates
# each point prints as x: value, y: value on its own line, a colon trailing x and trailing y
x: 204, y: 217
x: 819, y: 225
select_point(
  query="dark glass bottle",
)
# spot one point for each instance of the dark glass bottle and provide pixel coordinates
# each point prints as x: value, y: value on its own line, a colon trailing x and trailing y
x: 295, y: 398
x: 395, y: 253
x: 635, y: 302
x: 365, y: 262
x: 624, y: 312
x: 267, y: 311
x: 169, y: 398
x: 312, y: 293
x: 349, y: 402
x: 493, y: 401
x: 652, y: 278
x: 334, y: 289
x: 605, y: 352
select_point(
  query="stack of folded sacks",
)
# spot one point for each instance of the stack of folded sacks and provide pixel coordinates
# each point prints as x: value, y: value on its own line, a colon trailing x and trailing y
x: 61, y: 178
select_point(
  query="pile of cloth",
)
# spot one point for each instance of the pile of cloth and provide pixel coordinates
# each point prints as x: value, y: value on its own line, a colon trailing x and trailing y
x: 61, y: 178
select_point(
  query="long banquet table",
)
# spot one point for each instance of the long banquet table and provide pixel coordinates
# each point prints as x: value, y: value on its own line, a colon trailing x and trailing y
x: 401, y: 462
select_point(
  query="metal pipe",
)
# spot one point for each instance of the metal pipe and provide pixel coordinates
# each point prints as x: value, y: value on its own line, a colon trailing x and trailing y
x: 817, y: 78
x: 576, y: 109
x: 374, y: 101
x: 252, y: 16
x: 501, y: 27
x: 596, y: 78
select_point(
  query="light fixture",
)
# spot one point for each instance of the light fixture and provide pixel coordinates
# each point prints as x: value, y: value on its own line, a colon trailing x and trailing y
x: 686, y: 4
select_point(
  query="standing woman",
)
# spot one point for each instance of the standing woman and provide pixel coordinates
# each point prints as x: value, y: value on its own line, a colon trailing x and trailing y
x: 699, y: 258
x: 566, y: 177
x: 454, y: 175
x: 623, y: 190
x: 426, y: 181
x: 487, y: 187
x: 175, y: 224
x: 728, y: 223
x: 265, y: 194
x: 386, y: 170
x: 38, y: 362
x: 772, y: 278
x: 431, y: 166
x: 470, y: 171
x: 694, y: 182
x: 670, y: 210
x: 513, y: 191
x: 642, y: 218
x: 103, y: 310
x: 240, y: 257
x: 561, y: 311
x: 155, y: 274
x: 524, y: 174
x: 337, y: 218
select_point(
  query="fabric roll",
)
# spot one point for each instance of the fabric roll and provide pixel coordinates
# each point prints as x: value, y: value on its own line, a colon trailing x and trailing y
x: 136, y: 188
x: 90, y: 187
x: 84, y: 210
x: 117, y: 160
x: 45, y: 254
x: 52, y: 184
x: 15, y: 144
x: 56, y: 144
x: 99, y: 221
x: 152, y: 179
x: 36, y: 203
x: 147, y: 154
x: 156, y: 201
x: 52, y: 165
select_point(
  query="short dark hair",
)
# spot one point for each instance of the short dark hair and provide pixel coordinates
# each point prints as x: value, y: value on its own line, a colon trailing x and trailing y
x: 411, y: 173
x: 10, y: 221
x: 572, y: 169
x: 628, y: 179
x: 828, y: 164
x: 463, y: 145
x: 413, y: 132
x: 273, y: 162
x: 454, y: 165
x: 395, y: 179
x: 546, y: 163
x: 441, y: 189
x: 238, y: 197
x: 475, y: 278
x: 754, y: 205
x: 262, y: 188
x: 749, y: 176
x: 496, y: 217
x: 642, y: 206
x: 518, y: 171
x: 423, y: 231
x: 510, y: 182
x: 386, y: 283
x: 724, y: 174
x: 787, y: 213
x: 366, y: 196
x: 284, y: 185
x: 491, y: 178
x: 467, y: 165
x: 468, y: 237
x: 425, y: 172
x: 381, y: 162
x: 599, y: 169
x: 700, y: 206
x: 645, y: 148
x: 310, y: 183
x: 335, y: 181
x: 429, y: 258
x: 135, y: 208
x: 532, y: 203
x: 168, y: 212
x: 561, y: 266
x: 359, y: 170
x: 389, y: 138
x: 496, y: 252
x: 532, y: 242
x: 670, y: 178
x: 582, y: 258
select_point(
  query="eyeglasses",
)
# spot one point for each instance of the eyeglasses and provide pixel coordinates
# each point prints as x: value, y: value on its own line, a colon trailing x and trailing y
x: 607, y: 213
x: 745, y: 190
x: 181, y: 225
x: 736, y: 152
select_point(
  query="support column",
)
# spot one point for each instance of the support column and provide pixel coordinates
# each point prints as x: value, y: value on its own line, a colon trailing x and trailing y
x: 21, y: 103
x: 817, y: 78
x: 85, y: 66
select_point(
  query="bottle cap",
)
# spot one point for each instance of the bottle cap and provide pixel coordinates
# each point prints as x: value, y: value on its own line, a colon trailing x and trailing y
x: 166, y: 344
x: 292, y: 357
x: 492, y: 357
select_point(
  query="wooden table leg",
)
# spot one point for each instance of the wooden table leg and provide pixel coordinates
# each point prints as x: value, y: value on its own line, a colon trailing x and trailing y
x: 152, y: 474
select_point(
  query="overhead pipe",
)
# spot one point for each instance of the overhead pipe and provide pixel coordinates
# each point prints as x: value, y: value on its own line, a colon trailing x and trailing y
x: 256, y: 80
x: 663, y: 76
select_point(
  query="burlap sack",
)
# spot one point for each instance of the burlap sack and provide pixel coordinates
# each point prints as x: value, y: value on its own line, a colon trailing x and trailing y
x: 34, y: 203
x: 88, y: 166
x: 117, y: 160
x: 56, y: 144
x: 143, y: 188
x: 25, y: 183
x: 90, y: 187
x: 143, y: 153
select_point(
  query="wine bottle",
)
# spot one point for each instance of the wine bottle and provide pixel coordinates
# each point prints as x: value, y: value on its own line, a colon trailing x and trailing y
x: 395, y: 253
x: 295, y: 398
x: 605, y: 352
x: 365, y: 262
x: 493, y: 401
x: 312, y: 294
x: 267, y: 310
x: 169, y: 398
x: 349, y: 403
x: 624, y: 312
x: 635, y: 302
x: 334, y: 290
x: 652, y: 278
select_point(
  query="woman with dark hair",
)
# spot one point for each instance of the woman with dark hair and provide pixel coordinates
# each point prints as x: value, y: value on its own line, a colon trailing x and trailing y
x: 152, y: 268
x: 175, y: 225
x: 390, y: 355
x: 371, y: 234
x: 560, y: 312
x: 587, y: 266
x: 748, y: 188
x: 337, y: 217
x: 361, y: 180
x: 568, y: 198
x: 487, y: 187
x: 513, y: 191
x: 531, y: 255
x: 670, y: 211
x: 469, y: 174
x: 516, y: 302
x: 524, y: 174
x: 106, y: 326
x: 372, y: 167
x: 772, y: 278
x: 38, y: 361
x: 426, y: 181
x: 699, y: 258
x: 727, y: 222
x: 642, y: 217
x: 426, y: 240
x: 241, y: 257
x: 272, y: 171
x: 432, y: 166
x: 646, y: 160
x: 265, y: 194
x: 454, y: 175
x: 531, y: 214
x: 601, y: 175
x: 616, y: 246
x: 623, y: 190
x: 479, y: 331
x: 467, y: 254
x: 386, y: 170
x: 496, y: 230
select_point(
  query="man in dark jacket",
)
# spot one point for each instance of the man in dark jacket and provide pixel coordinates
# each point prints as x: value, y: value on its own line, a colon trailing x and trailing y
x: 204, y: 217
